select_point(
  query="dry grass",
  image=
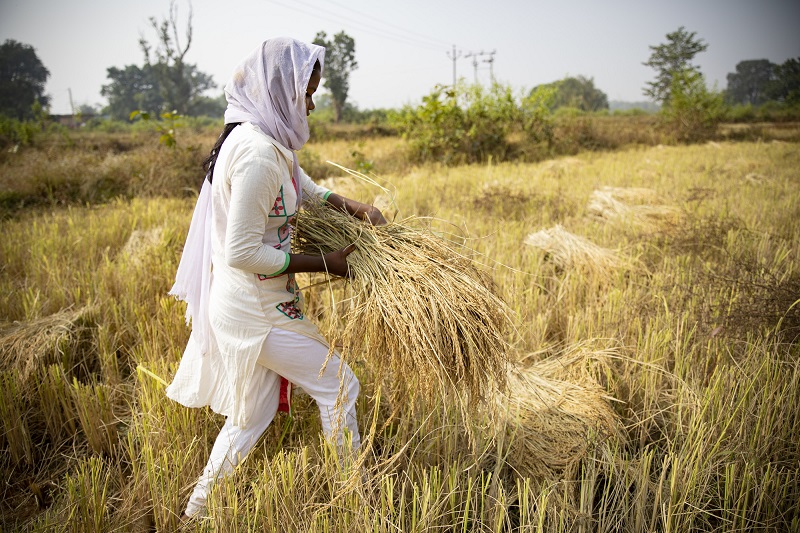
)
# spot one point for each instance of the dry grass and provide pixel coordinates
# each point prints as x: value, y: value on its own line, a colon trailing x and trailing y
x: 704, y: 365
x: 29, y: 346
x: 632, y: 206
x: 568, y: 250
x: 556, y: 415
x: 420, y: 307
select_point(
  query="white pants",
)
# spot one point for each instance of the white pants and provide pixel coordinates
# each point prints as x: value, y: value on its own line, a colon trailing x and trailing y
x: 298, y: 359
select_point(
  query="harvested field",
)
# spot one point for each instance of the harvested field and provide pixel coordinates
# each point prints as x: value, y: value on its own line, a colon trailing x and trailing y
x: 649, y: 354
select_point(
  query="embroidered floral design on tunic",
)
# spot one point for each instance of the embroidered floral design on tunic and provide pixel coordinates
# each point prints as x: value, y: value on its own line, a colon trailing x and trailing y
x: 279, y: 209
x: 285, y: 231
x: 291, y: 309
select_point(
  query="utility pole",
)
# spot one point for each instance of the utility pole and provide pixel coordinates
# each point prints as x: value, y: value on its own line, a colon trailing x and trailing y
x: 491, y: 64
x: 474, y: 56
x: 456, y: 55
x: 71, y: 105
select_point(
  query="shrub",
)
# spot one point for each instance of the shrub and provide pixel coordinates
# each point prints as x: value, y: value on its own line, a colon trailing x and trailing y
x: 470, y: 124
x: 13, y: 131
x: 693, y: 113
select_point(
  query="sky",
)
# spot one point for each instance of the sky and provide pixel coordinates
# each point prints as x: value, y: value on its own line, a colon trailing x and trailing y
x: 402, y: 47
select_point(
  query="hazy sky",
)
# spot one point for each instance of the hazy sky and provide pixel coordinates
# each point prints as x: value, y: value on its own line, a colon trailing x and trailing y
x: 402, y: 47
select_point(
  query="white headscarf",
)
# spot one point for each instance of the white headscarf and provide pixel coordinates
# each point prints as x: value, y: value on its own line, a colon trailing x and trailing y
x: 268, y: 89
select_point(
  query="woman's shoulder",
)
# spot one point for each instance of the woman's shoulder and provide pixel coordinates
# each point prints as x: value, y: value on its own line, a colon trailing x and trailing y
x: 248, y: 140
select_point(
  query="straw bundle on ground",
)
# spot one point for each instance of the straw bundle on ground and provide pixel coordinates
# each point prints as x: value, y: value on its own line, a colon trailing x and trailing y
x: 420, y: 311
x: 616, y: 204
x: 27, y: 346
x: 140, y: 243
x: 554, y: 415
x: 568, y: 250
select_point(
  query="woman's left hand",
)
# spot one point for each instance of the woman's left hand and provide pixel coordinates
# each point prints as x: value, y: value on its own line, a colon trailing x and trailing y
x: 374, y: 216
x: 365, y: 212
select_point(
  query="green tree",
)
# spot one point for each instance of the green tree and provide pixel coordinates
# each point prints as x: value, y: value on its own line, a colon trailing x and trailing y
x: 693, y: 113
x: 578, y: 92
x: 22, y: 79
x: 748, y: 85
x: 166, y: 82
x: 670, y: 59
x: 785, y: 86
x: 132, y: 87
x: 340, y: 60
x: 179, y: 83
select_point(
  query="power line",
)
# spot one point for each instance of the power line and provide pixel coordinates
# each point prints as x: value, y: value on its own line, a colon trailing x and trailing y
x: 349, y: 22
x: 432, y: 39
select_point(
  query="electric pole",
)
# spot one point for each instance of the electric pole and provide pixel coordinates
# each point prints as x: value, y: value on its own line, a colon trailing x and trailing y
x: 475, y: 56
x: 454, y: 57
x: 491, y: 64
x: 71, y: 106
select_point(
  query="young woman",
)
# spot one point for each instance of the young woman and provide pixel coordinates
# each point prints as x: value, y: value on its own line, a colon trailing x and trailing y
x: 237, y: 272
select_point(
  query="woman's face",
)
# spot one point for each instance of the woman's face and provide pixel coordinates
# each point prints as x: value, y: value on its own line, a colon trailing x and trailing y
x: 313, y: 84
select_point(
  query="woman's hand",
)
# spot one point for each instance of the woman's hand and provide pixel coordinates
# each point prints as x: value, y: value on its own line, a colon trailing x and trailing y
x: 365, y: 212
x: 374, y: 216
x: 336, y: 262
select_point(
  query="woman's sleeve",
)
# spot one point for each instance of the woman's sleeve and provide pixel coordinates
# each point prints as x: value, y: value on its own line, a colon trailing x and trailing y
x: 255, y: 183
x: 311, y: 189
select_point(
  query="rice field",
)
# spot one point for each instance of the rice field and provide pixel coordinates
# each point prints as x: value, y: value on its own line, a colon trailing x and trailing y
x: 653, y: 381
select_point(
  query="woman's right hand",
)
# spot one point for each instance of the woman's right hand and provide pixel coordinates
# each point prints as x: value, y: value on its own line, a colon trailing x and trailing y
x: 336, y: 262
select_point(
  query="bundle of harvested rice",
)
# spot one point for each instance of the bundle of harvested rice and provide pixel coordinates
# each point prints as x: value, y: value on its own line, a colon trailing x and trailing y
x: 554, y: 416
x: 615, y: 204
x: 28, y: 346
x: 140, y: 243
x: 568, y: 250
x: 421, y: 311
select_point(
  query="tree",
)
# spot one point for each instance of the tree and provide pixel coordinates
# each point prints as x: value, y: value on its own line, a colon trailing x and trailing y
x: 693, y: 112
x: 671, y: 59
x: 340, y: 60
x: 179, y: 83
x: 166, y: 82
x: 785, y: 87
x: 22, y: 79
x: 132, y: 88
x: 748, y: 85
x: 578, y: 92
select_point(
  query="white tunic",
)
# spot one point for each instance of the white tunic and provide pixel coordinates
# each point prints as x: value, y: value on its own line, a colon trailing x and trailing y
x: 253, y: 201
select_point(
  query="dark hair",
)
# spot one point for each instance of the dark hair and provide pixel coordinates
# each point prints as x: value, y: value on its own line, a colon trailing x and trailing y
x: 317, y: 67
x: 211, y: 160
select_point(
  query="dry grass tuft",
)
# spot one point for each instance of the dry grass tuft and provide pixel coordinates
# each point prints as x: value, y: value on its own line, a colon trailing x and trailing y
x: 420, y: 308
x: 555, y: 413
x: 568, y: 250
x: 633, y: 206
x: 140, y: 243
x: 496, y: 195
x: 28, y: 346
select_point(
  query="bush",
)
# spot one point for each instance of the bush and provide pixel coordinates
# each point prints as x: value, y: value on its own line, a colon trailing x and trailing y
x: 693, y: 113
x: 13, y: 131
x: 470, y: 124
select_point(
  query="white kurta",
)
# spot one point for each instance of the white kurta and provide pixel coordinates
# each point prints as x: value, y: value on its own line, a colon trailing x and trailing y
x: 253, y: 201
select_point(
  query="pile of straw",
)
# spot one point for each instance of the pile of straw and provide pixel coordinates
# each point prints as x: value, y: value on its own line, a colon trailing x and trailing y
x: 632, y: 206
x: 553, y: 414
x: 141, y: 243
x: 57, y: 338
x: 421, y: 311
x: 568, y: 250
